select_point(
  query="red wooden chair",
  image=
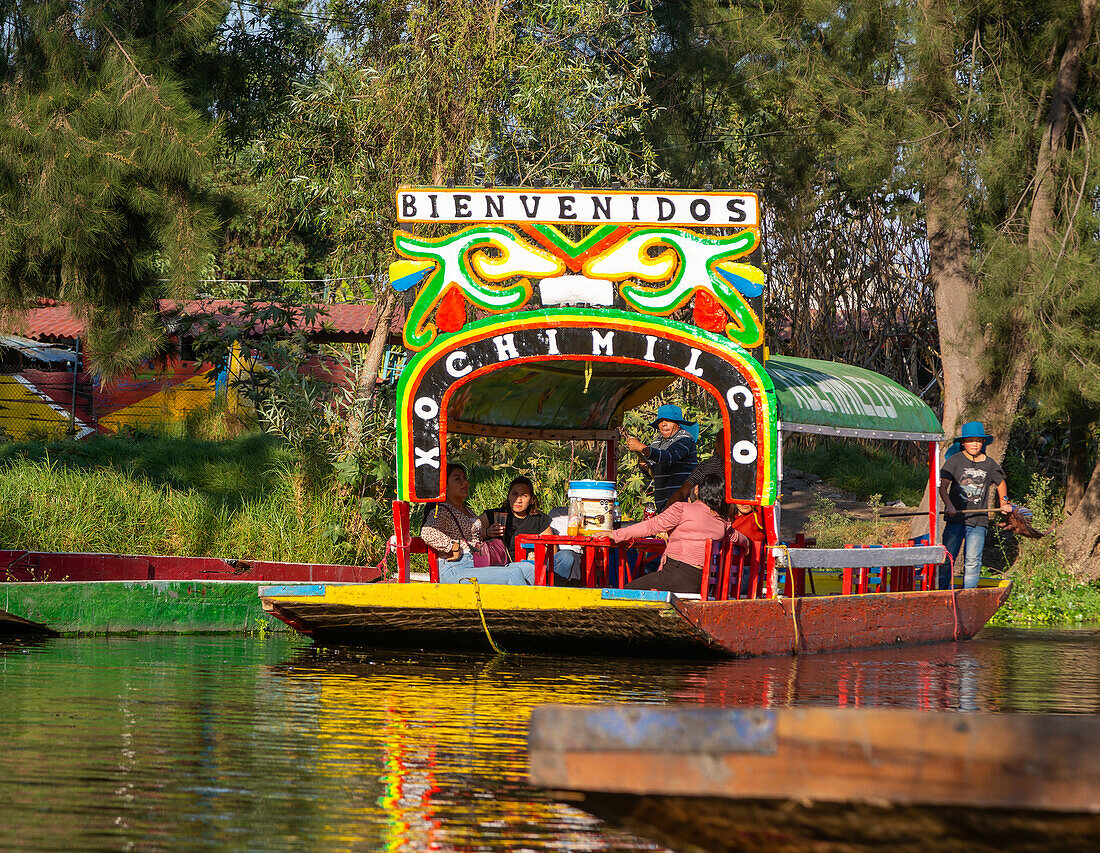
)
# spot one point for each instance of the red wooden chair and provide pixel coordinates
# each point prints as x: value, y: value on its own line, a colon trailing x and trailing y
x: 743, y: 569
x: 715, y: 552
x: 728, y: 564
x: 405, y: 545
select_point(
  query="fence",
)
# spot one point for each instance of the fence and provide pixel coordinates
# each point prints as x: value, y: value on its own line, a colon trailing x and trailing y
x: 38, y: 403
x: 42, y: 403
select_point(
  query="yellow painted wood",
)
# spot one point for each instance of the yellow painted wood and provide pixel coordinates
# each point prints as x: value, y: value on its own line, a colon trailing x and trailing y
x: 170, y: 403
x: 28, y: 415
x: 461, y: 597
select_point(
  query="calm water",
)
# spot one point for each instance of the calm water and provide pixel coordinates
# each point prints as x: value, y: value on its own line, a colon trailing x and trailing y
x: 240, y: 743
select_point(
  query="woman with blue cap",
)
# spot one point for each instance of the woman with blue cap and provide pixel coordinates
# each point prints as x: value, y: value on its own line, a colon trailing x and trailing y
x: 671, y: 455
x: 966, y: 478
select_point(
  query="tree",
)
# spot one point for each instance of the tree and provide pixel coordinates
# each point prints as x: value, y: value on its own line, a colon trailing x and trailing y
x: 466, y: 92
x: 976, y: 116
x: 104, y: 166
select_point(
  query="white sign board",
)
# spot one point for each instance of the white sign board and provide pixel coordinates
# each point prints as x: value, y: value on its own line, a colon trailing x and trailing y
x: 580, y: 207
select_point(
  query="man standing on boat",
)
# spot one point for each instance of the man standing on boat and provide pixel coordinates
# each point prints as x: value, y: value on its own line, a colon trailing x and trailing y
x: 671, y: 456
x: 965, y: 482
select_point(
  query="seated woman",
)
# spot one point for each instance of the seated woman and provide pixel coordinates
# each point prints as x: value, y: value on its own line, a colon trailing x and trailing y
x: 453, y: 532
x: 522, y: 516
x: 690, y: 526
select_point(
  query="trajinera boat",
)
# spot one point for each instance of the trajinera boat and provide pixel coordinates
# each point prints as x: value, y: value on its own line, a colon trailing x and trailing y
x: 590, y: 303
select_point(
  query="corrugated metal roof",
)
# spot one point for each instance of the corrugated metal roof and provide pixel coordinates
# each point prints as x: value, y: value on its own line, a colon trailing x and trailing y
x: 35, y: 350
x: 52, y: 321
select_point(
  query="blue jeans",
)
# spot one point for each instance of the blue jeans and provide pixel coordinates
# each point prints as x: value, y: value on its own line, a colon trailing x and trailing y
x: 514, y: 574
x: 563, y: 565
x: 953, y: 537
x: 567, y: 565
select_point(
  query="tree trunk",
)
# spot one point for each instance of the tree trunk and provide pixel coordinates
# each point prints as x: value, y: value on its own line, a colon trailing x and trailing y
x: 1081, y: 419
x: 1040, y: 232
x: 949, y: 252
x: 372, y: 363
x: 1079, y: 535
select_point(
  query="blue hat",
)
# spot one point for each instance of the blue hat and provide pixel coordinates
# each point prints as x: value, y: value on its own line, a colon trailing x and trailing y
x: 974, y: 429
x: 668, y: 412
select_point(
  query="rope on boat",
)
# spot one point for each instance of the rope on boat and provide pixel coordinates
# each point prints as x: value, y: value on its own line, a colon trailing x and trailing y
x: 794, y: 619
x: 954, y: 594
x: 794, y: 622
x: 481, y: 613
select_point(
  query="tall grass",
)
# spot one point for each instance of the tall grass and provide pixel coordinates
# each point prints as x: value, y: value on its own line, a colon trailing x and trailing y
x: 169, y: 495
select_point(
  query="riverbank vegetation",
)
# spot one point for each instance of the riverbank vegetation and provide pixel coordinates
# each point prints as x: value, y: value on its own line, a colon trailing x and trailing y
x: 146, y: 494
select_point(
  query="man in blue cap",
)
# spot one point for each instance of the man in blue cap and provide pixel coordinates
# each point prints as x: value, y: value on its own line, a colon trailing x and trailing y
x: 671, y: 456
x: 966, y: 479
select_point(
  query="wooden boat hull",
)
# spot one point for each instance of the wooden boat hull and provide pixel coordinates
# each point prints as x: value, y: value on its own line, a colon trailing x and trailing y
x: 12, y: 625
x: 699, y: 778
x: 593, y: 621
x: 124, y: 593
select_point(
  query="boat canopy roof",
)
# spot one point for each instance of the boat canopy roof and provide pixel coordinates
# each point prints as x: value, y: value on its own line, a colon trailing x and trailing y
x: 830, y: 398
x: 555, y: 399
x: 571, y: 373
x: 588, y: 399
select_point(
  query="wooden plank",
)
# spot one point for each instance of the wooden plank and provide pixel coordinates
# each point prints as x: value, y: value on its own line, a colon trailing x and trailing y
x: 1044, y: 762
x: 24, y: 566
x: 709, y: 824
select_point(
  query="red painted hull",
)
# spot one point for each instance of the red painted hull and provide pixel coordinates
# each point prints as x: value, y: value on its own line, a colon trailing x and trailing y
x: 24, y: 566
x: 767, y: 626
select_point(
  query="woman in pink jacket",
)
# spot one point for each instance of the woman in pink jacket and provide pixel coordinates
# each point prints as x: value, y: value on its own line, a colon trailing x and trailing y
x: 690, y: 526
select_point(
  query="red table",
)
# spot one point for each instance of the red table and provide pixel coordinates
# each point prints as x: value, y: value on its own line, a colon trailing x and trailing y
x: 596, y: 551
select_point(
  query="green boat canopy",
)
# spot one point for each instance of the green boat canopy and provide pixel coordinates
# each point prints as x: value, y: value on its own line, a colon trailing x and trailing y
x: 829, y: 398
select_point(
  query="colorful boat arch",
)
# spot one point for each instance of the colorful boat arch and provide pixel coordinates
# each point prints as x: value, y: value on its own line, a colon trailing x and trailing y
x: 573, y: 372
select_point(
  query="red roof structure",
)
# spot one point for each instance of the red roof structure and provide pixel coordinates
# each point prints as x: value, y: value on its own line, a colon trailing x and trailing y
x: 55, y: 322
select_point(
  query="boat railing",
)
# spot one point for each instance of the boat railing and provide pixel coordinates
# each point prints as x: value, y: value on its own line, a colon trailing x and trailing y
x: 903, y: 567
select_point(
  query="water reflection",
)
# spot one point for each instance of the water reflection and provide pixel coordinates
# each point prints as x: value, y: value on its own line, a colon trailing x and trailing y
x: 231, y: 743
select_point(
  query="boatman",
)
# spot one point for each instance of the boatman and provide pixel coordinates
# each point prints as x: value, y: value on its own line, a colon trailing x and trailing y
x: 965, y: 482
x: 671, y: 457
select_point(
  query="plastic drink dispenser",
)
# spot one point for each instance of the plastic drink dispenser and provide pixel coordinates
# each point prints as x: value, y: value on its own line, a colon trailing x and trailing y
x: 594, y: 503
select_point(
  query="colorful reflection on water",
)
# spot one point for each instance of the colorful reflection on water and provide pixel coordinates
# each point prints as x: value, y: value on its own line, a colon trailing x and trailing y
x: 239, y: 743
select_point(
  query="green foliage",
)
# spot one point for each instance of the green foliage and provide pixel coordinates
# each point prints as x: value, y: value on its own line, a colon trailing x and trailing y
x: 1043, y: 589
x: 1048, y: 594
x: 261, y: 345
x: 860, y: 470
x: 835, y: 529
x: 1050, y: 306
x: 105, y: 198
x: 262, y: 253
x: 456, y: 91
x: 159, y: 495
x: 257, y: 58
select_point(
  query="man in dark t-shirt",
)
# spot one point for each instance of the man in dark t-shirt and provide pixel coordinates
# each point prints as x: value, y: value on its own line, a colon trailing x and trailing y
x: 966, y: 480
